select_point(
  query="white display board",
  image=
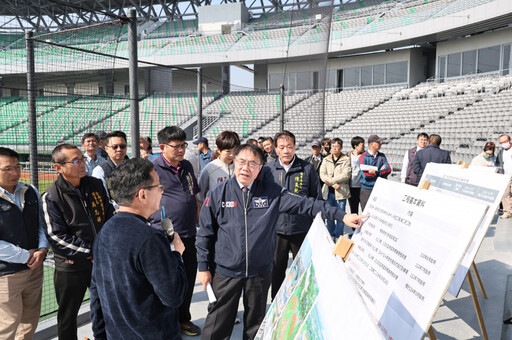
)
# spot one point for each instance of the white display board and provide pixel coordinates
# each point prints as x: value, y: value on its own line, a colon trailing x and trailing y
x: 407, y: 253
x: 478, y: 184
x: 318, y: 299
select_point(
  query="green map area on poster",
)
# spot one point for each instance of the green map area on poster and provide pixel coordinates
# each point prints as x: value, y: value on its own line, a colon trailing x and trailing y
x: 317, y: 297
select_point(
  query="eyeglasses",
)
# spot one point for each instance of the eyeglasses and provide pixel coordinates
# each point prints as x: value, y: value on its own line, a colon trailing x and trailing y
x: 75, y: 162
x: 149, y: 187
x: 11, y: 168
x: 243, y: 162
x: 115, y: 147
x: 179, y: 146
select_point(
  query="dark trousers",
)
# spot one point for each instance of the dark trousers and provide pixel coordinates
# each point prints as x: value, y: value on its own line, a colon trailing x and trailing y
x: 70, y: 289
x: 189, y: 257
x: 354, y: 199
x: 284, y: 244
x: 365, y: 195
x: 221, y: 314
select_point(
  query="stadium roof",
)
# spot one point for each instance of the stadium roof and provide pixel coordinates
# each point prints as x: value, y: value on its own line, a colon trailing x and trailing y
x: 44, y: 15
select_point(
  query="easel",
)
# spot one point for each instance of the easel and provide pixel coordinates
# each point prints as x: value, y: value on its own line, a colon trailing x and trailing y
x: 431, y: 334
x: 344, y: 246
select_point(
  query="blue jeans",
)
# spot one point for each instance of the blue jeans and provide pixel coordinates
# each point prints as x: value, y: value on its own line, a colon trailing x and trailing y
x: 336, y: 228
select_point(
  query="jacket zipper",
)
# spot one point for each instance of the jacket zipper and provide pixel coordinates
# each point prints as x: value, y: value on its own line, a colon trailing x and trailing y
x: 246, y: 238
x: 84, y: 205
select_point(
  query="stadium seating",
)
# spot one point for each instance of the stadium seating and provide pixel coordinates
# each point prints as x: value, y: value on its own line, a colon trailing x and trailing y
x: 60, y: 118
x: 173, y: 29
x: 465, y: 112
x: 160, y: 110
x: 271, y: 30
x: 246, y: 112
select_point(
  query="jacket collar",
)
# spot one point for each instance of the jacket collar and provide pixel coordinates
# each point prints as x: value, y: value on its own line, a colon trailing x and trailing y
x: 330, y: 157
x: 65, y: 186
x: 433, y: 146
x: 111, y: 163
x: 296, y: 164
x: 163, y: 163
x: 21, y: 188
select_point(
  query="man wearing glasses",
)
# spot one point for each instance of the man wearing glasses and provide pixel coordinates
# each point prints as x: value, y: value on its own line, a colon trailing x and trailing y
x: 180, y: 205
x: 237, y: 240
x: 144, y: 303
x: 75, y: 208
x: 22, y: 251
x: 116, y: 150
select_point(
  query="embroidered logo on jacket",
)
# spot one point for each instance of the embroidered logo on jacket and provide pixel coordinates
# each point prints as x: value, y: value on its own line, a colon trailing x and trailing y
x: 260, y: 202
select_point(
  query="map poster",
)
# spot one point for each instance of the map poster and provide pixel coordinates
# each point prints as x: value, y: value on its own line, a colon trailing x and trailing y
x: 474, y: 185
x: 407, y: 253
x: 318, y: 300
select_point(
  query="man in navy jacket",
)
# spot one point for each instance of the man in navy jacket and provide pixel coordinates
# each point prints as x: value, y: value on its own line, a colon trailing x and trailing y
x: 299, y: 177
x: 237, y: 239
x: 179, y: 203
x: 431, y: 154
x: 138, y: 282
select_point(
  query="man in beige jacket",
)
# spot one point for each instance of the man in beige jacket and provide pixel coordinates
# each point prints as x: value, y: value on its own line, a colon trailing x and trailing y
x: 336, y: 172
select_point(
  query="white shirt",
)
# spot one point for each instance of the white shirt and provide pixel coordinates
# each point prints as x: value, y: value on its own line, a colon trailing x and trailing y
x: 507, y: 161
x: 90, y: 163
x: 286, y: 167
x: 479, y: 160
x: 214, y: 173
x: 405, y: 164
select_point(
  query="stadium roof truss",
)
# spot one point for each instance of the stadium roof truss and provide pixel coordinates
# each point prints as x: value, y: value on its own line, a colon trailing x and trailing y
x: 52, y: 15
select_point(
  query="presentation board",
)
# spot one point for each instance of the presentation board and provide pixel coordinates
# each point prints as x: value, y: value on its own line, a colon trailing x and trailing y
x: 479, y: 184
x: 317, y: 299
x: 407, y: 253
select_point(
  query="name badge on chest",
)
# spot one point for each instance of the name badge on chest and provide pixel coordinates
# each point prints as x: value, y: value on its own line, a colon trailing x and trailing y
x: 260, y: 202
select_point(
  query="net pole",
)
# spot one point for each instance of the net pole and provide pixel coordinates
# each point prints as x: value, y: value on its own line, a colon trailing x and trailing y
x: 134, y: 84
x: 199, y: 102
x: 281, y: 94
x: 31, y: 98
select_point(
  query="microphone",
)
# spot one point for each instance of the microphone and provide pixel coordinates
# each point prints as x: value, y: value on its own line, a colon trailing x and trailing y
x: 168, y: 229
x: 167, y: 226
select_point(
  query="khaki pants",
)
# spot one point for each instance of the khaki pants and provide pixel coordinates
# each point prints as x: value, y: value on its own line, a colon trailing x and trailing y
x: 20, y: 303
x: 507, y: 200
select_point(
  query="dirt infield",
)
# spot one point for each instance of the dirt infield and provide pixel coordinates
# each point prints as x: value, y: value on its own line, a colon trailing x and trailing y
x: 42, y: 176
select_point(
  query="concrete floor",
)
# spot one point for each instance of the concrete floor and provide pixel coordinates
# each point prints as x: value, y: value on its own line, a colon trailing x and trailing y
x: 456, y: 317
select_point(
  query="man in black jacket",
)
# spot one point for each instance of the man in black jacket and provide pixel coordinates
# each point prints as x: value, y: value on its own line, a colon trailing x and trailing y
x: 299, y: 177
x: 431, y: 154
x: 237, y: 239
x: 75, y: 206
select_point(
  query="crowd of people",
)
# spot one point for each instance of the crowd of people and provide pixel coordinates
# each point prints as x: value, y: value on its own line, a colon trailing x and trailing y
x: 236, y: 213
